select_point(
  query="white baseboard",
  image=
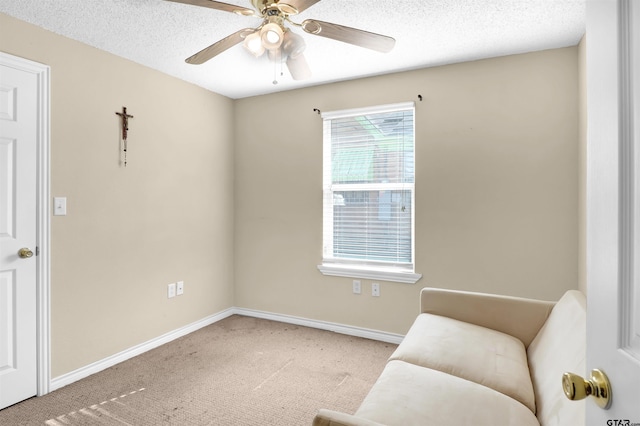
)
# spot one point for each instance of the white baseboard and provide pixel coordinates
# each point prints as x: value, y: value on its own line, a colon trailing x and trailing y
x: 81, y: 373
x: 86, y: 371
x: 324, y: 325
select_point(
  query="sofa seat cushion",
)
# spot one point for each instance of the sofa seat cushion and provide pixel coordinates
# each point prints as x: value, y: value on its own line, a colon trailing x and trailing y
x: 407, y: 394
x: 478, y: 354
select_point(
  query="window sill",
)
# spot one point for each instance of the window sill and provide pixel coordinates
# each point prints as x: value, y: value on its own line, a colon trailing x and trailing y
x: 369, y: 274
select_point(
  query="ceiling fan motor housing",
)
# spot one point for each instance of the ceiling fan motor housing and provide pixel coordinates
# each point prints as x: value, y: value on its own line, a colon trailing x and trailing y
x: 268, y: 7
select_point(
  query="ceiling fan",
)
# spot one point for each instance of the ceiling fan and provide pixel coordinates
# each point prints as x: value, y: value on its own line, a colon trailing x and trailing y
x: 275, y: 38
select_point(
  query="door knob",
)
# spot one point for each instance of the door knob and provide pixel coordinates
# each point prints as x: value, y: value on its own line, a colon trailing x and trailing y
x: 576, y: 388
x: 25, y: 253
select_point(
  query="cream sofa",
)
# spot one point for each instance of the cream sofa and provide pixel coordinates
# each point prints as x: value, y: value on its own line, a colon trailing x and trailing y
x: 479, y: 359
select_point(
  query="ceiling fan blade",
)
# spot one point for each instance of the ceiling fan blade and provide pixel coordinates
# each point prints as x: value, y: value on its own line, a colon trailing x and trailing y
x: 301, y: 5
x: 218, y: 47
x: 218, y: 6
x: 378, y: 42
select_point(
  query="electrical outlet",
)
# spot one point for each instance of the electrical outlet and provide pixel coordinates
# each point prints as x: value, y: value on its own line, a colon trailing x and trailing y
x: 171, y: 290
x: 375, y: 289
x: 357, y: 289
x: 180, y: 288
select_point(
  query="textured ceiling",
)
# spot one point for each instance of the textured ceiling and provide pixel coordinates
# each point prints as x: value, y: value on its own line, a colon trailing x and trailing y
x: 161, y: 34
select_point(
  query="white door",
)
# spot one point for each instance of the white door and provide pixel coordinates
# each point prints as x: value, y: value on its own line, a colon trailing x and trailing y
x: 613, y: 206
x: 18, y: 224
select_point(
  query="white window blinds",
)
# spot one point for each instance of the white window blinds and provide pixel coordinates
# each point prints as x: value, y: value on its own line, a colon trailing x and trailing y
x: 368, y: 170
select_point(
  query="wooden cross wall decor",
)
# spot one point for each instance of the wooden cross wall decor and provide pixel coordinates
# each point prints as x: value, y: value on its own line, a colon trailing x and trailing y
x: 125, y: 129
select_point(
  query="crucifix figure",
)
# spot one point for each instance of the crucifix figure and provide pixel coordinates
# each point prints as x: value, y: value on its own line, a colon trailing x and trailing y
x: 125, y: 128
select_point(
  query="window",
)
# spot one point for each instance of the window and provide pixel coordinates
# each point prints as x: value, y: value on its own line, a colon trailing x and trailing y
x: 368, y: 185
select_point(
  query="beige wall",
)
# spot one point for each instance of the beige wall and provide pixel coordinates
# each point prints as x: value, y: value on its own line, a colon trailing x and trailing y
x: 226, y: 195
x: 496, y: 188
x: 130, y: 231
x: 582, y: 164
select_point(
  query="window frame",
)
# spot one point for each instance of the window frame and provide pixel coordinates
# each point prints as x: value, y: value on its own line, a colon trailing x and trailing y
x: 366, y: 269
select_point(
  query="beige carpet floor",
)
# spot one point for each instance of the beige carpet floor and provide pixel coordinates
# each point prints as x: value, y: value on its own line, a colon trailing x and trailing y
x: 238, y: 371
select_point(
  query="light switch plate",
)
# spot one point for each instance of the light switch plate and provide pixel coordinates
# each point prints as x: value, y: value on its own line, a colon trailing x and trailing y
x: 60, y: 206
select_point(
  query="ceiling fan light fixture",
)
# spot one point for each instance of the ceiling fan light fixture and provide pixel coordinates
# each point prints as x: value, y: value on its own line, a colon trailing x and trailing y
x: 253, y: 43
x: 272, y: 36
x: 275, y: 55
x: 298, y: 67
x: 293, y: 45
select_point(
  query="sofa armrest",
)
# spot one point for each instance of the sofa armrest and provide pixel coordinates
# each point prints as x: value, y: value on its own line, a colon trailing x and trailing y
x: 335, y: 418
x: 518, y: 317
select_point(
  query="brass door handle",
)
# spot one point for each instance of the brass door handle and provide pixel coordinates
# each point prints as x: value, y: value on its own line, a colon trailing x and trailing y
x: 576, y: 388
x: 25, y: 253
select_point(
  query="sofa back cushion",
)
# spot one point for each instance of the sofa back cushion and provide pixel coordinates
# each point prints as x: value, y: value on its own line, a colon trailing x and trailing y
x: 559, y: 347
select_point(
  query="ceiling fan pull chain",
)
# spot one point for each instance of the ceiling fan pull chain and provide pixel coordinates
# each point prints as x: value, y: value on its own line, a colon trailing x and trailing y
x: 281, y: 67
x: 275, y: 72
x: 277, y: 59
